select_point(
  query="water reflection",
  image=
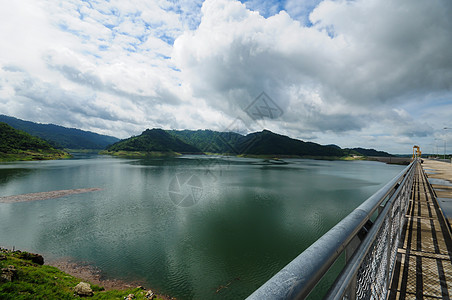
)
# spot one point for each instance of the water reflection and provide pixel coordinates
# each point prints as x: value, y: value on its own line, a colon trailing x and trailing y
x: 251, y: 220
x: 8, y: 174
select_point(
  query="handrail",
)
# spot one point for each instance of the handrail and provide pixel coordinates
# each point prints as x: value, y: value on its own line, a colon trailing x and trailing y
x: 351, y: 269
x: 297, y: 279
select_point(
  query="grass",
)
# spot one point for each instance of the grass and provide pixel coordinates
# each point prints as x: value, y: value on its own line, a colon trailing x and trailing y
x: 33, y: 155
x: 46, y: 282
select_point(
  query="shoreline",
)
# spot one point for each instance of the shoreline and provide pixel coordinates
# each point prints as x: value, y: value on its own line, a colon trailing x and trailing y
x: 87, y: 272
x: 92, y: 274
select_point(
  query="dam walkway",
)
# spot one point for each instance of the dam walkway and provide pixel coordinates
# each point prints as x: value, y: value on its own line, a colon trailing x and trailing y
x: 423, y: 267
x: 396, y: 245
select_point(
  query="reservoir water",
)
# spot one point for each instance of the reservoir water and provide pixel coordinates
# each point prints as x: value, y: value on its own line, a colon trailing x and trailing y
x: 193, y: 227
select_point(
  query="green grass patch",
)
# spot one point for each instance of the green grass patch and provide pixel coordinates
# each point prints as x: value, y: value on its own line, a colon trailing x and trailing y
x: 33, y: 155
x: 34, y: 281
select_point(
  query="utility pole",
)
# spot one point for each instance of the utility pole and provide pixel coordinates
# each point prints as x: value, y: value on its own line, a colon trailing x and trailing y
x: 445, y: 128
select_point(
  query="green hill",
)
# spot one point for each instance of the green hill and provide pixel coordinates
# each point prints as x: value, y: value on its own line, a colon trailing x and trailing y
x: 152, y: 140
x: 61, y: 137
x: 209, y: 140
x: 269, y: 143
x: 258, y: 143
x: 19, y: 145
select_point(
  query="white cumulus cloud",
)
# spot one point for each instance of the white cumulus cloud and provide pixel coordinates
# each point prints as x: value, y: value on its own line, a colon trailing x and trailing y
x: 369, y: 73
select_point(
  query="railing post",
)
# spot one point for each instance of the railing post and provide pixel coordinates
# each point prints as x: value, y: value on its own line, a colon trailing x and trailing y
x: 390, y: 241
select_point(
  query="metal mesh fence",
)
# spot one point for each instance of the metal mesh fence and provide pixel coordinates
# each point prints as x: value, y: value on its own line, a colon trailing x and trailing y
x: 373, y: 276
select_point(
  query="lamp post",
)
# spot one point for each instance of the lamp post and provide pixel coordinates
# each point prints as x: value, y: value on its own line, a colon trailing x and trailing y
x: 445, y: 128
x: 444, y: 148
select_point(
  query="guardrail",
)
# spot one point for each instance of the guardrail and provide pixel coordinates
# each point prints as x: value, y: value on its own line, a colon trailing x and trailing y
x: 369, y: 237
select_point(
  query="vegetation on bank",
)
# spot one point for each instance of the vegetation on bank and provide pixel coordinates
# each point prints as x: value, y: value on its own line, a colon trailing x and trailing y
x: 24, y: 277
x: 139, y: 154
x: 30, y: 155
x: 18, y: 145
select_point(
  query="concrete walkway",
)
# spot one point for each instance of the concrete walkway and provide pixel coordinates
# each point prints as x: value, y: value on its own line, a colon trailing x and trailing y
x: 440, y: 177
x: 423, y: 267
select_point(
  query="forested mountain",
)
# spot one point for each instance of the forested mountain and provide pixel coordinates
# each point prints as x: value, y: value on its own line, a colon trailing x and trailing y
x: 258, y: 143
x: 370, y: 152
x: 19, y: 145
x: 61, y: 137
x: 154, y: 140
x: 208, y: 141
x: 269, y: 143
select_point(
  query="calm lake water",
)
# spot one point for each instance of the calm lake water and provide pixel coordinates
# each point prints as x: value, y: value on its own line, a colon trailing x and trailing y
x: 184, y: 226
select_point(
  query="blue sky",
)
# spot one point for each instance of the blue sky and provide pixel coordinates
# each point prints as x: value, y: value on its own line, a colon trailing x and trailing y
x: 362, y: 73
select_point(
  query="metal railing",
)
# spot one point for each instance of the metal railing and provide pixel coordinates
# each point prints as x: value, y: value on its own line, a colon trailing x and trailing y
x: 369, y: 238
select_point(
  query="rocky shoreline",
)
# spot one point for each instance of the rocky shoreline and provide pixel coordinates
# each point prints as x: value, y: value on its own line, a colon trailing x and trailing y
x: 89, y: 278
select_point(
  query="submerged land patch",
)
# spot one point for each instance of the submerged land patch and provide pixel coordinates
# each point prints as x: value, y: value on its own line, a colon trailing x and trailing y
x: 45, y: 195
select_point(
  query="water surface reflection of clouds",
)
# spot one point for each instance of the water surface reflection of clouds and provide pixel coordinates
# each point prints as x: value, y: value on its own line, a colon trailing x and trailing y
x: 251, y: 220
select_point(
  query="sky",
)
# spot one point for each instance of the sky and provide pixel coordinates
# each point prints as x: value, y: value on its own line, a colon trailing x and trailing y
x: 362, y: 73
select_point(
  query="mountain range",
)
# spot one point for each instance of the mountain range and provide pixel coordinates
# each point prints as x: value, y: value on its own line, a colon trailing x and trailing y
x: 257, y: 143
x: 61, y: 137
x: 263, y: 143
x: 186, y: 141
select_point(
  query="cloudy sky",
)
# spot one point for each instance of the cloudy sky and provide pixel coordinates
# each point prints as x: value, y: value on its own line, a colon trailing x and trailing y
x: 367, y: 73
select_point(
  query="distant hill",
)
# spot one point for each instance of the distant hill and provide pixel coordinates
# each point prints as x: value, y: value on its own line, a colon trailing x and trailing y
x: 61, y: 137
x: 269, y: 143
x: 371, y: 152
x: 154, y: 140
x: 19, y: 145
x: 258, y: 143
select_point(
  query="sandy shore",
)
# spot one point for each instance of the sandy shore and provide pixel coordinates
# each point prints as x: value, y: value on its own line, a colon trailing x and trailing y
x: 45, y: 195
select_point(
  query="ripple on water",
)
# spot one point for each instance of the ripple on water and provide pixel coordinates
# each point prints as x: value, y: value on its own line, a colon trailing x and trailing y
x: 446, y: 206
